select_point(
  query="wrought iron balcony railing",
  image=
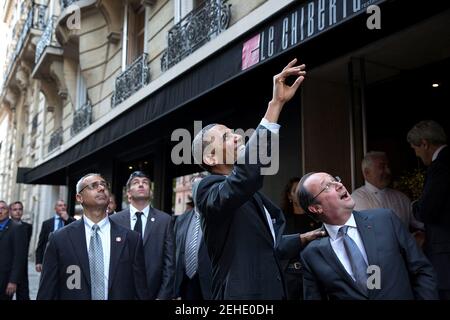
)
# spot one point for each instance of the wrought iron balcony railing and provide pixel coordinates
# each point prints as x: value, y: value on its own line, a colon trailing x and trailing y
x: 56, y: 139
x: 46, y: 38
x: 194, y: 30
x: 82, y: 118
x: 34, y: 125
x: 35, y: 19
x: 131, y: 80
x: 66, y: 3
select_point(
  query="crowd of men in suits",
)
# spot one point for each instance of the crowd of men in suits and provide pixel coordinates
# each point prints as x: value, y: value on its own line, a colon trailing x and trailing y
x: 230, y: 243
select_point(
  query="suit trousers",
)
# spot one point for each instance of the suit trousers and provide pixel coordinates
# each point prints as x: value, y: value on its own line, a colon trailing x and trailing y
x: 190, y: 288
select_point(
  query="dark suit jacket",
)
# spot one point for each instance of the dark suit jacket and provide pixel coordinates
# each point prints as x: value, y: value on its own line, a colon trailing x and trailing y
x: 13, y: 253
x: 244, y: 260
x: 29, y: 230
x: 47, y: 228
x: 405, y: 272
x: 67, y: 247
x: 204, y: 270
x: 159, y: 251
x: 433, y: 209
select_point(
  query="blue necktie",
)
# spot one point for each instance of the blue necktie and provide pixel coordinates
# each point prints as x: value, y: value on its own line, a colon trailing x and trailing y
x: 356, y: 259
x: 96, y: 265
x: 191, y: 256
x: 60, y: 223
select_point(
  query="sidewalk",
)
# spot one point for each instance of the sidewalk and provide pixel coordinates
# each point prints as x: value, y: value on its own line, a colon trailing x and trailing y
x: 33, y: 278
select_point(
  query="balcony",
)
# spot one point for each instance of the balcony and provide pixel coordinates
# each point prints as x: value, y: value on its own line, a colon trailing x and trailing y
x: 82, y: 118
x: 197, y: 28
x: 35, y: 19
x: 66, y: 3
x: 56, y: 139
x: 131, y: 80
x: 46, y: 38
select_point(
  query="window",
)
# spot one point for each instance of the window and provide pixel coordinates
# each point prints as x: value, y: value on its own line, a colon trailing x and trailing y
x: 183, y: 7
x: 136, y: 33
x: 81, y: 90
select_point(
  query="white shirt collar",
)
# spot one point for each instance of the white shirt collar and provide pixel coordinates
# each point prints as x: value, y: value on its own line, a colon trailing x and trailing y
x: 102, y: 223
x: 334, y: 229
x: 436, y: 153
x: 371, y: 187
x: 133, y: 211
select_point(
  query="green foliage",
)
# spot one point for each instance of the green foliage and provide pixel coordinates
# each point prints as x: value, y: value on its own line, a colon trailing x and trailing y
x: 411, y: 183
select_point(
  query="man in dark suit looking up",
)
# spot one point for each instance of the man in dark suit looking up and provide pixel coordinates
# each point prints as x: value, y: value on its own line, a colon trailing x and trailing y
x: 193, y: 266
x: 13, y: 253
x: 428, y: 139
x: 156, y: 229
x: 243, y: 229
x: 93, y: 258
x: 16, y: 212
x: 359, y: 243
x: 59, y: 220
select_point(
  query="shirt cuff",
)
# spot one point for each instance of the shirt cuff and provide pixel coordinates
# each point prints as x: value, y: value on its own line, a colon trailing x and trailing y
x: 273, y: 127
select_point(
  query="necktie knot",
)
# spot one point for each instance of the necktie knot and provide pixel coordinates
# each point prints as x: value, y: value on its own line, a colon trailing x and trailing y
x: 138, y: 225
x: 95, y: 228
x: 343, y: 230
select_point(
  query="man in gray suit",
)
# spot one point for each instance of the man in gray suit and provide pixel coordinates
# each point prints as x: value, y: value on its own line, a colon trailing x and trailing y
x: 156, y: 229
x: 358, y: 244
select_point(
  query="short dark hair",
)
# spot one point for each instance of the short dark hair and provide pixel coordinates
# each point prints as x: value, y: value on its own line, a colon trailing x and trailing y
x: 199, y: 144
x: 305, y: 198
x: 136, y: 174
x: 15, y: 202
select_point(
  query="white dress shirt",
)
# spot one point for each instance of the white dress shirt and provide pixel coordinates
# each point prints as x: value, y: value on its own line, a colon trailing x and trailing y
x: 337, y: 242
x: 436, y: 153
x: 274, y: 128
x: 144, y: 216
x: 56, y: 222
x: 370, y: 197
x: 105, y: 236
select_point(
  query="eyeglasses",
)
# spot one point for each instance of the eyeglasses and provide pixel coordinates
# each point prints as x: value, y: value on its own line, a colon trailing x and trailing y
x: 334, y: 180
x: 95, y: 185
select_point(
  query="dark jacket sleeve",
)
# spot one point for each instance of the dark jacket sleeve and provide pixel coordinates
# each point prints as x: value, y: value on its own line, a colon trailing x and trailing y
x: 140, y: 278
x: 289, y: 247
x: 421, y: 272
x: 43, y: 237
x: 166, y: 290
x: 20, y: 254
x: 311, y: 287
x: 49, y: 283
x: 243, y: 182
x: 431, y: 204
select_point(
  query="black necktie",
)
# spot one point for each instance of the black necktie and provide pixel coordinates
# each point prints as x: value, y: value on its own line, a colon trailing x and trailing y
x: 138, y: 225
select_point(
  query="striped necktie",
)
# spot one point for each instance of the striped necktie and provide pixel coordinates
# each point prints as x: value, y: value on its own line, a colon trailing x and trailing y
x: 191, y: 256
x: 356, y: 259
x: 96, y: 265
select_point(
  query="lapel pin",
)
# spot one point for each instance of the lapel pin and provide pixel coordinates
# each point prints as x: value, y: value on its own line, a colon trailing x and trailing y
x: 369, y: 227
x: 118, y: 239
x: 152, y: 219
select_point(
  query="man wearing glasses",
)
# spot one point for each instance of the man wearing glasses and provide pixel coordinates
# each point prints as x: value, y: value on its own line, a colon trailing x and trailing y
x: 365, y: 255
x: 93, y: 258
x: 156, y: 230
x: 242, y: 228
